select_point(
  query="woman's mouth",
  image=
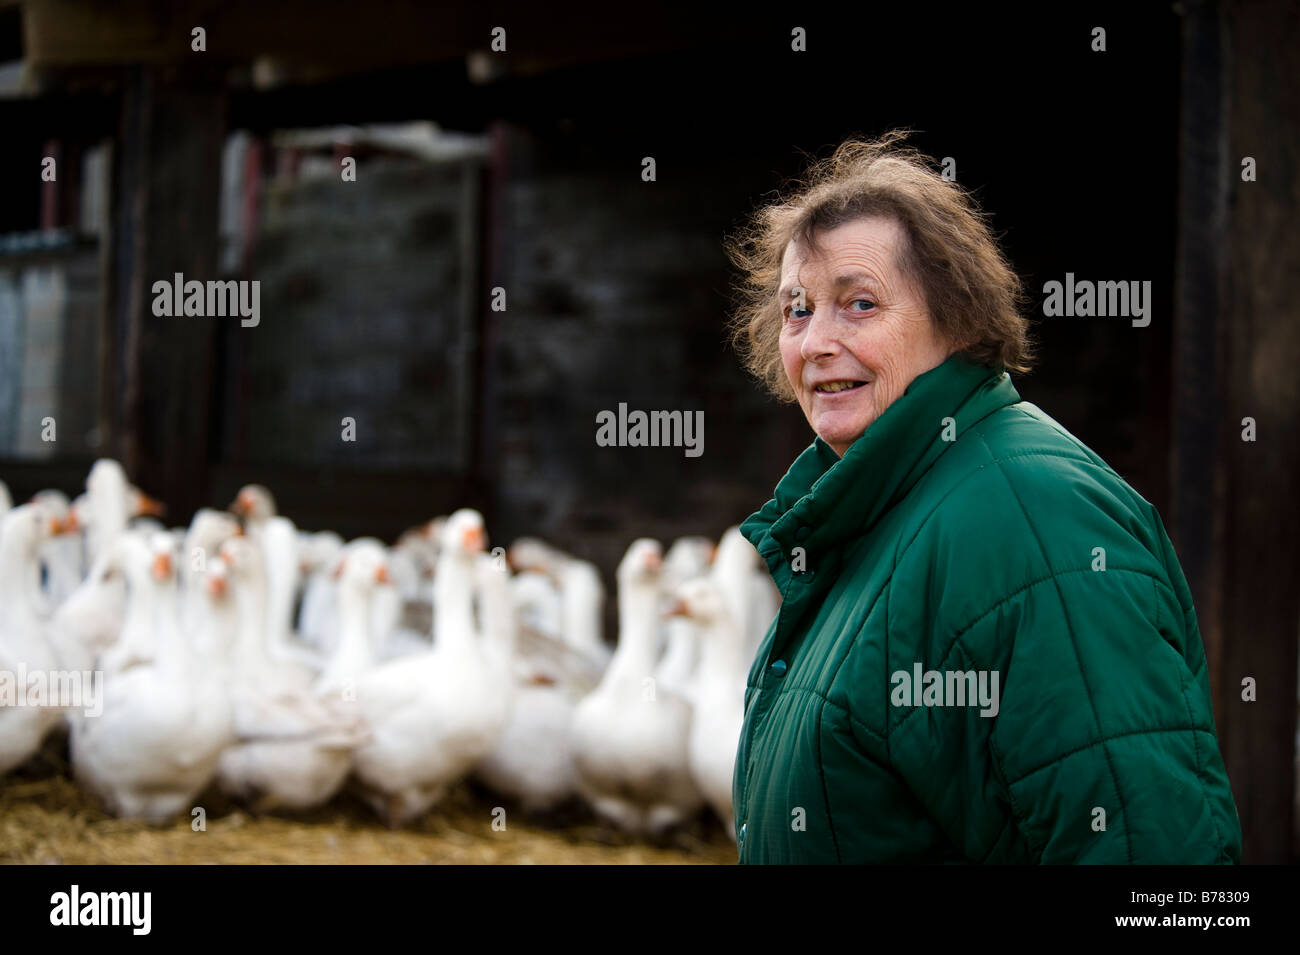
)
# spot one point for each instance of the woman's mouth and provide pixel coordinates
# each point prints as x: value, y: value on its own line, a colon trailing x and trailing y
x: 835, y: 387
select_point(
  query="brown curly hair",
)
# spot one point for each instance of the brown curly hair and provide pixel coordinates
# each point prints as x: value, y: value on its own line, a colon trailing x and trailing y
x: 949, y: 251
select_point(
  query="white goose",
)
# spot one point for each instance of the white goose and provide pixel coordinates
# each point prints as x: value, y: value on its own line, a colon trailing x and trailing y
x: 719, y: 693
x: 581, y: 596
x: 361, y: 577
x: 293, y: 750
x: 108, y: 506
x: 24, y: 636
x: 393, y: 636
x: 434, y: 715
x: 208, y: 530
x: 90, y: 620
x: 751, y: 596
x: 61, y: 556
x: 281, y: 558
x: 686, y: 559
x: 631, y: 737
x: 255, y: 504
x: 163, y: 726
x: 421, y: 543
x: 533, y: 762
x: 538, y: 603
x: 319, y: 557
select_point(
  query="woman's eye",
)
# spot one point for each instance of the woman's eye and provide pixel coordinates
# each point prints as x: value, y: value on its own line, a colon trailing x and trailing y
x: 797, y: 312
x: 866, y: 303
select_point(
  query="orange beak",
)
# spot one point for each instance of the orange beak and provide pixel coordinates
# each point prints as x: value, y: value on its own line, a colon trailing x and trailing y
x: 475, y: 539
x: 217, y: 586
x: 654, y: 561
x: 70, y: 523
x: 678, y: 609
x: 162, y: 567
x: 713, y: 553
x: 243, y: 503
x: 151, y: 506
x: 381, y: 574
x: 56, y: 527
x: 337, y: 572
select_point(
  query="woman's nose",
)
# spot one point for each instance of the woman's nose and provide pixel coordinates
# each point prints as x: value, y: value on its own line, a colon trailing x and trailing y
x: 821, y: 340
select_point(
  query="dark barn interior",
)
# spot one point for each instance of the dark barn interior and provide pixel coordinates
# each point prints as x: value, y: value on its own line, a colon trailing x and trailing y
x: 524, y: 173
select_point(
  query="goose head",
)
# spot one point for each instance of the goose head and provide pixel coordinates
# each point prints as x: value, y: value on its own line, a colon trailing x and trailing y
x: 216, y: 585
x: 642, y: 564
x: 532, y: 553
x: 254, y: 503
x: 24, y: 528
x: 79, y: 513
x: 700, y: 601
x: 318, y: 550
x: 687, y: 557
x: 432, y: 529
x: 56, y: 502
x: 464, y: 535
x: 429, y: 532
x: 244, y: 560
x: 107, y: 486
x: 144, y: 559
x: 362, y: 567
x: 160, y: 547
x: 209, y: 529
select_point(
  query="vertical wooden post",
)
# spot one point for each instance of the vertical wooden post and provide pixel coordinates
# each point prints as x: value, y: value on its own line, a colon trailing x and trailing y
x: 165, y: 208
x: 1262, y: 251
x: 1236, y: 517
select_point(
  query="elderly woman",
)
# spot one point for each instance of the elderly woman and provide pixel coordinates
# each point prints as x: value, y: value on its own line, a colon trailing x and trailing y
x: 987, y: 651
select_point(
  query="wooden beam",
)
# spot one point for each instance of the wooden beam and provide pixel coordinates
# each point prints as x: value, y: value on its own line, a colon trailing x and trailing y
x: 1236, y: 518
x: 164, y: 221
x: 1262, y: 555
x: 310, y: 40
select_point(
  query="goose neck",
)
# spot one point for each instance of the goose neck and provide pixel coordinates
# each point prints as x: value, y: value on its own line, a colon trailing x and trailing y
x: 638, y: 618
x: 453, y: 602
x: 354, y: 653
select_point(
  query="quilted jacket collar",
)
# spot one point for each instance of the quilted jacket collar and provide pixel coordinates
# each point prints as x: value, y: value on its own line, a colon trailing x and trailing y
x: 824, y: 500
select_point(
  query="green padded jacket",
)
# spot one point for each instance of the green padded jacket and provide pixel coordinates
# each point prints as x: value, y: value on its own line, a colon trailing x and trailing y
x: 987, y: 652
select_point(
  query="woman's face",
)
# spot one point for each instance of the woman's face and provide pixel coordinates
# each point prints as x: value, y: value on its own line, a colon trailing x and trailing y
x: 854, y: 331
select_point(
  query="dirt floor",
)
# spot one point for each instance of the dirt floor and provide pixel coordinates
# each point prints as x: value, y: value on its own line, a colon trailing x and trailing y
x: 46, y: 818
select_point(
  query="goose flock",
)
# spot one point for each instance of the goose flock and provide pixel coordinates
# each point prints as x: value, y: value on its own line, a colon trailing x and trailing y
x: 283, y: 665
